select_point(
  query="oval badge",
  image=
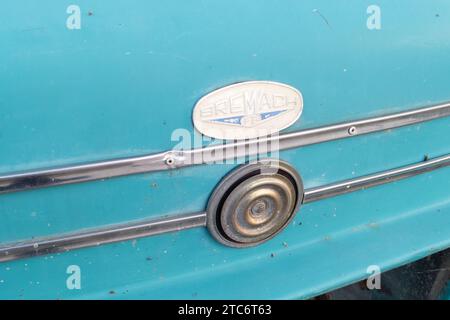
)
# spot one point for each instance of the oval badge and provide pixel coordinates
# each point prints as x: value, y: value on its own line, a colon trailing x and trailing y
x: 247, y: 110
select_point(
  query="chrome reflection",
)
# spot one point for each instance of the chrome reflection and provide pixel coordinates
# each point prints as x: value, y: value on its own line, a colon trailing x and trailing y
x: 145, y: 228
x: 168, y: 160
x: 98, y: 236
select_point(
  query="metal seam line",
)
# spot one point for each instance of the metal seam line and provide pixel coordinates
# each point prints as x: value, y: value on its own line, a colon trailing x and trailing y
x: 98, y: 236
x: 174, y: 159
x: 372, y: 180
x: 150, y: 227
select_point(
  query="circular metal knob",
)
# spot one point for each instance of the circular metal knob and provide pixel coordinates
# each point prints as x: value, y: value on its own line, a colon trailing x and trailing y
x: 254, y: 203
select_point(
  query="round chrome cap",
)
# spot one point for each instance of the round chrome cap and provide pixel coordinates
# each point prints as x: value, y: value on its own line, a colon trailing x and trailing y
x: 254, y: 203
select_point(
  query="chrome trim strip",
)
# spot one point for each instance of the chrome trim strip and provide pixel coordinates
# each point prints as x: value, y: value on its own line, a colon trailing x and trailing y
x: 351, y: 185
x: 145, y: 228
x: 177, y: 159
x: 95, y: 237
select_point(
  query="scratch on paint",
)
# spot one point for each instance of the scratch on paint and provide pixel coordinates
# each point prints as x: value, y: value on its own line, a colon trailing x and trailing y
x: 32, y: 29
x: 323, y: 17
x: 174, y: 56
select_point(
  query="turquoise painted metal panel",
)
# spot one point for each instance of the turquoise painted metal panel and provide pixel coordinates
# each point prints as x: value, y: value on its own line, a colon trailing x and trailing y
x: 446, y: 294
x: 120, y: 86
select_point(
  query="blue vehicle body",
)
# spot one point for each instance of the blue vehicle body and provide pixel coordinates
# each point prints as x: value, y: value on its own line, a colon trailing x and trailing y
x: 120, y: 86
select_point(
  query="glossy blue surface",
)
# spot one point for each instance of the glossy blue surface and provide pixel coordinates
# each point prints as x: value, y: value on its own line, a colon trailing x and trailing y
x: 131, y: 75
